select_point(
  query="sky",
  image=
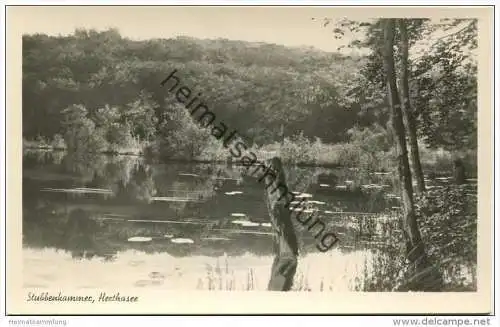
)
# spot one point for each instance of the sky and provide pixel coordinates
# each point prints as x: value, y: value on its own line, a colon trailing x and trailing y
x: 286, y: 26
x: 289, y: 26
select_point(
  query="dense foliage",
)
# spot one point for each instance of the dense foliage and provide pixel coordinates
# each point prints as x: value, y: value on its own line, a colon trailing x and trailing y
x: 108, y: 87
x: 104, y: 89
x: 447, y: 216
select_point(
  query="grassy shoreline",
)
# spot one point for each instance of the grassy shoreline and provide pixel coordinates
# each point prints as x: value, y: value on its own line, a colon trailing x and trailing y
x: 340, y: 155
x: 176, y: 160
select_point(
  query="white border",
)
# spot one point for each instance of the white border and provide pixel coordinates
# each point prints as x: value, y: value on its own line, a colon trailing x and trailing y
x: 387, y: 3
x: 232, y: 321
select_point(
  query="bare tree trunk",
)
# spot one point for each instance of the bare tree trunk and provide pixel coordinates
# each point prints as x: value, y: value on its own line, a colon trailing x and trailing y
x: 408, y: 112
x: 284, y: 237
x: 421, y: 277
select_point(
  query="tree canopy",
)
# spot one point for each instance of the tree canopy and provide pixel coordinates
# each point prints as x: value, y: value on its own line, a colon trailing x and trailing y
x: 106, y: 86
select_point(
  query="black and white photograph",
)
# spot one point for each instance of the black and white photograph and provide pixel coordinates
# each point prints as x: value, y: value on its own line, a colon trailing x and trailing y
x: 248, y: 149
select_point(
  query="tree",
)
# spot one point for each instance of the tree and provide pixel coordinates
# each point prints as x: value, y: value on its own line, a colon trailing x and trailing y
x: 254, y: 88
x: 141, y: 114
x: 80, y: 132
x: 180, y: 136
x: 446, y: 83
x: 411, y: 33
x: 408, y: 112
x: 415, y: 250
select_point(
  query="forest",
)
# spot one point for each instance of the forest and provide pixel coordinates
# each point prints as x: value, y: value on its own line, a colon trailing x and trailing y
x: 100, y: 92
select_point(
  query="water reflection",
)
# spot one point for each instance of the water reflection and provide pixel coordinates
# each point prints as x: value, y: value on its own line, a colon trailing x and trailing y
x: 98, y: 207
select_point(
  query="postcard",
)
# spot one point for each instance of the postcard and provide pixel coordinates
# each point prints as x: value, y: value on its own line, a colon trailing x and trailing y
x: 249, y: 159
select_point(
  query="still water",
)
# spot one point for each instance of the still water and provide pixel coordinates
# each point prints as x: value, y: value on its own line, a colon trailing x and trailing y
x: 118, y: 221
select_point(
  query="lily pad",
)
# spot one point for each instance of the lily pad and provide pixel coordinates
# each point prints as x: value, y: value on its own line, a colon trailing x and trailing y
x: 140, y: 239
x: 303, y: 195
x: 249, y: 224
x: 246, y: 223
x: 182, y: 241
x: 233, y: 193
x: 189, y: 175
x: 315, y: 202
x: 238, y: 222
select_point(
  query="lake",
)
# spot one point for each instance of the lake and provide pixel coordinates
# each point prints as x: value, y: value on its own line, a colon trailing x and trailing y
x: 133, y: 223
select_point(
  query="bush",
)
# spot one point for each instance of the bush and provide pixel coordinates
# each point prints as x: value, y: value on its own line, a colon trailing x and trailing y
x: 447, y: 218
x: 214, y: 151
x: 437, y: 160
x: 371, y: 139
x: 41, y: 141
x: 120, y: 139
x: 383, y: 272
x: 299, y: 149
x: 368, y: 148
x: 440, y: 161
x: 58, y: 142
x: 85, y: 137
